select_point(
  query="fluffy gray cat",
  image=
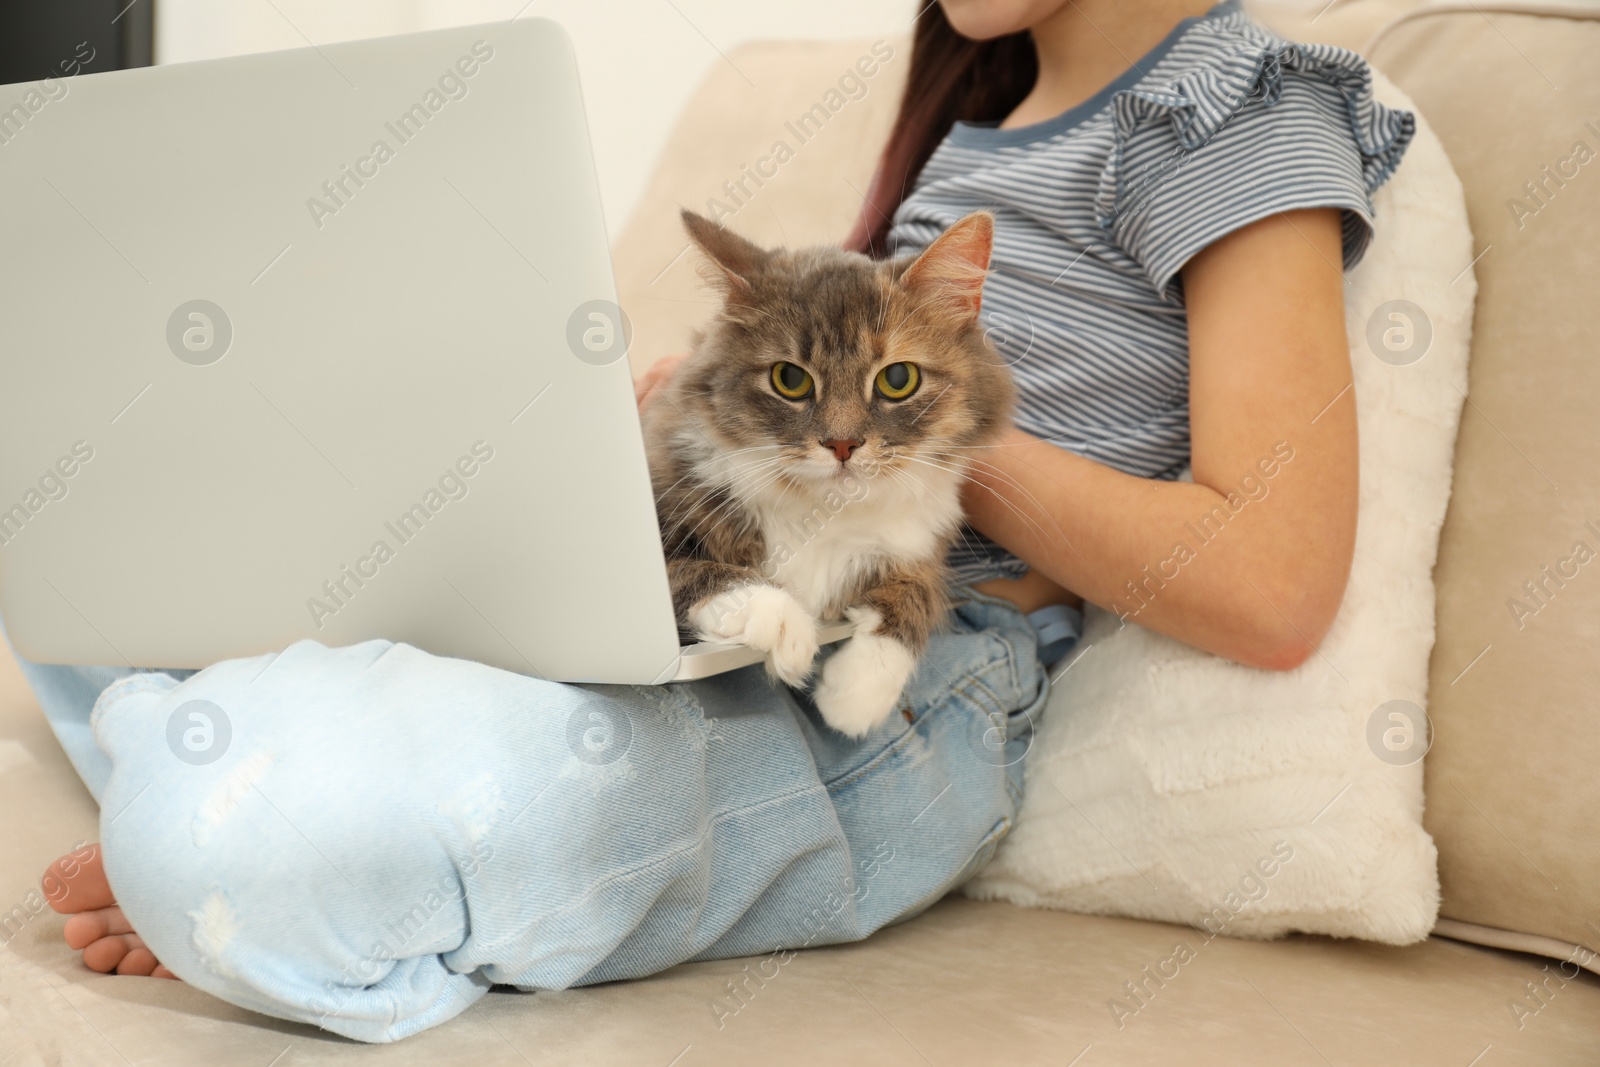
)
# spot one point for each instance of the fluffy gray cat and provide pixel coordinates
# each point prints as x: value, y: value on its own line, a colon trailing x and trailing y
x: 808, y: 456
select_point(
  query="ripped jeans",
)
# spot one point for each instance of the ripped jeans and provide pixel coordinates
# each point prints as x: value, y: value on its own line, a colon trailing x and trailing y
x: 367, y: 838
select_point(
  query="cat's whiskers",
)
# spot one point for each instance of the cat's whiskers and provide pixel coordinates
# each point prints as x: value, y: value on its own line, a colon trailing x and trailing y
x: 735, y: 496
x: 743, y: 473
x: 903, y: 478
x: 787, y: 484
x: 975, y: 448
x: 964, y: 532
x: 900, y: 463
x: 924, y: 487
x: 724, y: 470
x: 1002, y: 476
x: 687, y: 475
x: 693, y: 470
x: 1024, y: 516
x: 749, y: 505
x: 1017, y: 511
x: 684, y: 519
x: 676, y: 519
x: 730, y: 504
x: 729, y: 453
x: 737, y: 476
x: 750, y: 490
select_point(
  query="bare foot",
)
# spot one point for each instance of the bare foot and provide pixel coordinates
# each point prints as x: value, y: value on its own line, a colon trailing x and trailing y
x: 76, y: 885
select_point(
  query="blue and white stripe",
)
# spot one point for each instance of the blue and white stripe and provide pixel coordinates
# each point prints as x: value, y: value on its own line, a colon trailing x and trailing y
x: 1097, y: 210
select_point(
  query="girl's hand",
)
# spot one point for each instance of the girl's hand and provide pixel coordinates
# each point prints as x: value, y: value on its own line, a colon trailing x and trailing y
x: 653, y: 380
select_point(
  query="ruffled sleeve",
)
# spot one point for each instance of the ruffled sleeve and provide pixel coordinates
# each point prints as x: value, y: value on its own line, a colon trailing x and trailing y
x: 1263, y: 126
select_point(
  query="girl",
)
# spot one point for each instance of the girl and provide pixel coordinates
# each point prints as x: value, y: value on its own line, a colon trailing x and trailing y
x: 1176, y: 194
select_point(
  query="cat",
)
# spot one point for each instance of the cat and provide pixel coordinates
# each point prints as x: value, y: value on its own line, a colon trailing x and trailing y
x: 808, y: 456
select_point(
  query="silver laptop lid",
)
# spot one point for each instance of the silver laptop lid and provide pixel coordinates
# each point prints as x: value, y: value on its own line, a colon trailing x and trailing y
x: 322, y: 344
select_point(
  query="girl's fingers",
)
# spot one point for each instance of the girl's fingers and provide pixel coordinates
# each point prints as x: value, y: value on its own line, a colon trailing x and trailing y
x: 657, y: 376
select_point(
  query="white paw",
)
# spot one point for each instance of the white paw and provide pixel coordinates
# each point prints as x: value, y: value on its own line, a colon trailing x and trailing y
x: 768, y: 620
x: 862, y: 682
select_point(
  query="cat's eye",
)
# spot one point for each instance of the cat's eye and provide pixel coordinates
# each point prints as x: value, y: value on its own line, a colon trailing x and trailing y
x: 898, y: 381
x: 792, y: 382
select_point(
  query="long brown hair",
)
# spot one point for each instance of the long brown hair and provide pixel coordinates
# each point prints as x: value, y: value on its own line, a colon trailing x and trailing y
x: 951, y: 78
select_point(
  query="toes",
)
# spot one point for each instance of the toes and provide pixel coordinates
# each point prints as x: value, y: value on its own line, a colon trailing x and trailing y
x: 789, y: 671
x: 85, y: 928
x: 862, y: 682
x: 793, y: 646
x: 77, y: 882
x: 763, y: 630
x: 767, y: 619
x: 853, y: 718
x: 768, y: 614
x: 794, y: 652
x: 722, y: 617
x: 801, y: 644
x: 786, y: 671
x: 124, y: 954
x: 139, y: 962
x: 105, y: 954
x: 849, y: 713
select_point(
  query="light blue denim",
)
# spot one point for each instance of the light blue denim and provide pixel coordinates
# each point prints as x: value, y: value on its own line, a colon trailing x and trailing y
x: 367, y: 838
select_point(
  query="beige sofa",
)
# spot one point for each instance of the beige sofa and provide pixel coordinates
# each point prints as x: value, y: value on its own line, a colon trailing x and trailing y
x: 1511, y: 788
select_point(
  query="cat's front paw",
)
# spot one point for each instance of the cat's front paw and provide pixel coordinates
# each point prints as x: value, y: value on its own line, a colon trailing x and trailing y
x: 767, y: 619
x: 862, y: 682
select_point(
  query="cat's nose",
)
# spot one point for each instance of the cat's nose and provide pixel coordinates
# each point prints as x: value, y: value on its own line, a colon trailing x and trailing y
x: 842, y: 449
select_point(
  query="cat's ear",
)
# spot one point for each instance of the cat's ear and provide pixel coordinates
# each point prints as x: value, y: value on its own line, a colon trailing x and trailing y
x: 949, y: 274
x: 736, y: 260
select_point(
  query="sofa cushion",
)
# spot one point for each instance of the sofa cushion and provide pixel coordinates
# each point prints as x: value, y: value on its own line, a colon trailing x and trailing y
x: 1514, y: 93
x: 1347, y: 23
x: 1169, y: 783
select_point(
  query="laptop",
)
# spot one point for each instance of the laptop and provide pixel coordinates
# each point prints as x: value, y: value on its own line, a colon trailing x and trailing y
x: 324, y: 344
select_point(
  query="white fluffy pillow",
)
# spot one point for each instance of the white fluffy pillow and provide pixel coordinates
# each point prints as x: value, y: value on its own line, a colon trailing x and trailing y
x: 1167, y: 783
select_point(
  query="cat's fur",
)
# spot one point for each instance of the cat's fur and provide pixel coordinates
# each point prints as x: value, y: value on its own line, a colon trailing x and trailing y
x: 766, y: 529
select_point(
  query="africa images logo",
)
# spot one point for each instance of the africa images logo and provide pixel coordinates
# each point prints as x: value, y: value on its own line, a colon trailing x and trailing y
x: 453, y: 484
x: 53, y: 485
x: 199, y: 332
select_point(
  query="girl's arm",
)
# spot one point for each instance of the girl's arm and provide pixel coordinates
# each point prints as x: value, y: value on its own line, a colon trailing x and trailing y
x: 1251, y: 560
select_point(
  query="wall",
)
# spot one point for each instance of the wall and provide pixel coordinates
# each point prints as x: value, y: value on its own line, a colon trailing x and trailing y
x: 639, y: 59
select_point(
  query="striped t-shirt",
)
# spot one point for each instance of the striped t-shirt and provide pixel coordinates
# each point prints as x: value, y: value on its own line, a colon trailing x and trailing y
x: 1096, y: 211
